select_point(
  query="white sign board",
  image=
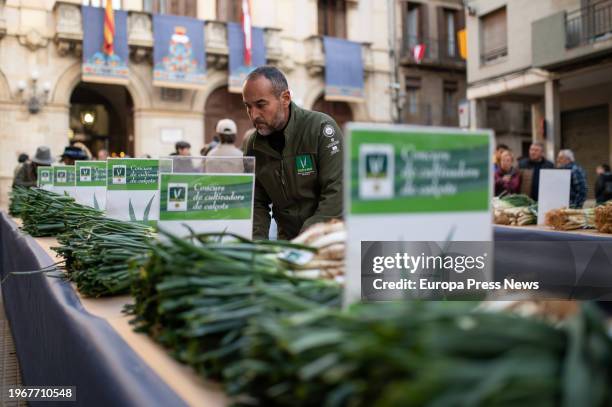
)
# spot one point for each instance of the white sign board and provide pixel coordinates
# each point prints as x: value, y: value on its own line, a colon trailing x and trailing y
x: 554, y: 192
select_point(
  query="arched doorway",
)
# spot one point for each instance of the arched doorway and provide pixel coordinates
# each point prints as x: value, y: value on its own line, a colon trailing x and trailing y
x: 340, y: 111
x: 102, y: 116
x: 221, y: 104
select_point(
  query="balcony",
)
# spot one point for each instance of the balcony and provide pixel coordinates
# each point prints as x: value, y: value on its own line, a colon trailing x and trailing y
x: 438, y: 53
x: 315, y: 55
x: 584, y: 35
x: 589, y: 24
x: 69, y: 36
x: 429, y: 114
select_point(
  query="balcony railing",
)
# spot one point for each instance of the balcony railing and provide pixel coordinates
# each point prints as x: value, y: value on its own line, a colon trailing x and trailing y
x: 430, y: 114
x: 589, y: 24
x: 436, y: 50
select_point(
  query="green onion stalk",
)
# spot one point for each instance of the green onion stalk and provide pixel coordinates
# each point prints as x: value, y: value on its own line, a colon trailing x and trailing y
x: 196, y: 296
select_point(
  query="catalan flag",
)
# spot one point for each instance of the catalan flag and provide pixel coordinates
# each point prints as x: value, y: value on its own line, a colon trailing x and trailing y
x: 109, y: 28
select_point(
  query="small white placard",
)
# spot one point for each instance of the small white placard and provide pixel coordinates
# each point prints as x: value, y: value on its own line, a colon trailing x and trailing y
x: 171, y: 136
x: 554, y: 191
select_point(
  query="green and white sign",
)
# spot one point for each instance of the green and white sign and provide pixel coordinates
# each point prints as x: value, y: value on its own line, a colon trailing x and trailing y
x: 44, y: 178
x: 206, y: 203
x: 64, y: 179
x: 91, y: 183
x: 132, y: 191
x: 410, y: 183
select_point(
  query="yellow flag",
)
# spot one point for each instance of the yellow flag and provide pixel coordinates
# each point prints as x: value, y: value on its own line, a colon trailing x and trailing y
x: 462, y: 40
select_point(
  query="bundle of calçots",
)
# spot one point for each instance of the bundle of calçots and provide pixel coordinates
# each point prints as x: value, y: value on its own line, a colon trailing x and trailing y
x: 515, y: 210
x: 17, y: 197
x: 423, y: 354
x: 571, y: 219
x: 196, y: 296
x: 97, y: 253
x: 46, y: 213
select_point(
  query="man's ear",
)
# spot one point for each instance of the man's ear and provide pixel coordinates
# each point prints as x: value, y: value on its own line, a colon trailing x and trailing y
x: 286, y: 98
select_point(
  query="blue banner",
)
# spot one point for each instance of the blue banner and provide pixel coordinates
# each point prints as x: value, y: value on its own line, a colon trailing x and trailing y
x: 179, y: 58
x: 238, y: 71
x: 98, y: 66
x: 343, y: 70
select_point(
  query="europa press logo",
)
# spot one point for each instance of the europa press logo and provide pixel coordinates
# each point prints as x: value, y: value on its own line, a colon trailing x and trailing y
x: 376, y: 171
x: 85, y: 174
x: 177, y: 197
x: 119, y: 174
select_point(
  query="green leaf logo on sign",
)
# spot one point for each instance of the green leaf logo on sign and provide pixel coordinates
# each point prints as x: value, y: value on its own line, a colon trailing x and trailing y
x: 119, y: 174
x: 177, y: 197
x: 376, y: 165
x: 85, y: 174
x: 45, y: 176
x: 303, y: 164
x: 61, y: 176
x: 376, y: 171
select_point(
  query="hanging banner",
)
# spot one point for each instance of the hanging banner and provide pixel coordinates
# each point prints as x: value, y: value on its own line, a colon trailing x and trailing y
x: 44, y: 178
x: 414, y: 184
x: 104, y: 64
x: 64, y: 179
x: 179, y: 57
x: 132, y: 189
x: 206, y: 203
x: 343, y: 70
x: 91, y: 183
x: 238, y: 69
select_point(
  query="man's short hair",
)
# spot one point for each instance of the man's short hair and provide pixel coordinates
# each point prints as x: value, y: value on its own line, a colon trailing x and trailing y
x: 181, y: 145
x: 274, y: 75
x: 567, y: 153
x: 539, y: 144
x: 227, y: 138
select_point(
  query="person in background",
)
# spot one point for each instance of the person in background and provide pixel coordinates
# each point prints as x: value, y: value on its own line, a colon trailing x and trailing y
x: 23, y: 158
x: 180, y: 159
x: 102, y: 154
x: 578, y: 182
x: 603, y: 185
x: 28, y: 172
x: 84, y: 148
x: 497, y: 156
x: 208, y: 147
x: 535, y: 162
x: 72, y: 154
x: 226, y: 130
x: 507, y: 177
x: 182, y: 148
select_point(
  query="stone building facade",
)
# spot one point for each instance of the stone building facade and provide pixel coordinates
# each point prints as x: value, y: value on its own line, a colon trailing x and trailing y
x: 44, y: 102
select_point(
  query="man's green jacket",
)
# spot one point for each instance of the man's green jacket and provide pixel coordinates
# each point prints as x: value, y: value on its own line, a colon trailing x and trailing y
x: 304, y: 185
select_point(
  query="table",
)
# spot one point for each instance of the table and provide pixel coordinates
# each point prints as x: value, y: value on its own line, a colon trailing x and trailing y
x: 63, y: 339
x: 578, y: 264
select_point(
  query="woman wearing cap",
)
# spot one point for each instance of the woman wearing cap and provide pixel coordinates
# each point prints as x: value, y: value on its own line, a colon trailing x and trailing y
x: 227, y: 153
x: 28, y: 173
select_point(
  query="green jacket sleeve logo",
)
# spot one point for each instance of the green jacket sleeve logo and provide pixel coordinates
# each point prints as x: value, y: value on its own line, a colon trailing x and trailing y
x: 303, y: 164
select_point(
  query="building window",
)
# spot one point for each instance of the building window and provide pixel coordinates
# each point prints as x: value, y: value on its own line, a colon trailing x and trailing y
x: 450, y: 102
x: 332, y: 18
x: 187, y: 8
x: 450, y: 19
x: 413, y: 24
x: 229, y: 10
x: 413, y: 95
x: 102, y: 3
x: 494, y: 36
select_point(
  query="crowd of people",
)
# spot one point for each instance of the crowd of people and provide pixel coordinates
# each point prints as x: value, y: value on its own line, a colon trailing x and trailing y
x: 523, y: 176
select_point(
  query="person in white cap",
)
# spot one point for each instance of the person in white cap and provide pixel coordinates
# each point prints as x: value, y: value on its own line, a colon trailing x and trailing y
x: 223, y: 157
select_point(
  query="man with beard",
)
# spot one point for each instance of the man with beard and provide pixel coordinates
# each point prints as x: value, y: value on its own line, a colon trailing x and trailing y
x: 298, y: 167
